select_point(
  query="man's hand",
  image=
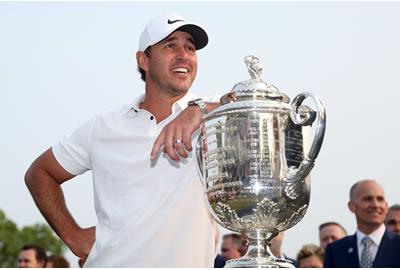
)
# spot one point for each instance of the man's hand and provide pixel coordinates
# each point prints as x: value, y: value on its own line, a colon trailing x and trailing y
x: 81, y: 243
x: 176, y: 137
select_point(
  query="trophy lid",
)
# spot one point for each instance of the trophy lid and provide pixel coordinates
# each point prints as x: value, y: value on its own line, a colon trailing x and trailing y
x: 256, y: 88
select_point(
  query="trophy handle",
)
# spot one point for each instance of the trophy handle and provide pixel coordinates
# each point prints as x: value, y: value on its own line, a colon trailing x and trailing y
x: 304, y: 116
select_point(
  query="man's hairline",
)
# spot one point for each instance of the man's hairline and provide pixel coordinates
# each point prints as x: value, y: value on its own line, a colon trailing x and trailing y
x: 389, y: 212
x: 394, y: 207
x: 333, y: 223
x: 356, y: 185
x: 234, y: 238
x: 35, y: 255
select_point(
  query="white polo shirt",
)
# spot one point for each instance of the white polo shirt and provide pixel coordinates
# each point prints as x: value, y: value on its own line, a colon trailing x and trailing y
x: 150, y: 214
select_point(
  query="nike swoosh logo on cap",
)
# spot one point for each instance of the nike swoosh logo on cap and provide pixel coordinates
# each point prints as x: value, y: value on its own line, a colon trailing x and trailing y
x: 174, y: 21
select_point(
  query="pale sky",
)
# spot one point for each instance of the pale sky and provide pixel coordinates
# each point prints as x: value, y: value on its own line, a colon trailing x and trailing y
x: 62, y: 63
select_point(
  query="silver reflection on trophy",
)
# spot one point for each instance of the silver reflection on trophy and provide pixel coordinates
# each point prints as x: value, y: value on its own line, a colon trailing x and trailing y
x: 254, y: 164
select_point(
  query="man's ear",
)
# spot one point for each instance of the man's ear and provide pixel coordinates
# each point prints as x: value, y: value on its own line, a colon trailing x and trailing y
x: 351, y: 206
x: 141, y: 59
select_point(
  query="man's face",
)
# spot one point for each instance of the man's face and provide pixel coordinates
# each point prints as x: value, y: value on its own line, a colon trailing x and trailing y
x: 311, y: 262
x: 229, y: 250
x: 393, y: 221
x: 369, y: 206
x: 172, y: 64
x: 27, y: 259
x: 330, y: 233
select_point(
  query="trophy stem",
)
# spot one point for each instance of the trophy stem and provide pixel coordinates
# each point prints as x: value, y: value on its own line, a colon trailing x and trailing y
x: 259, y: 254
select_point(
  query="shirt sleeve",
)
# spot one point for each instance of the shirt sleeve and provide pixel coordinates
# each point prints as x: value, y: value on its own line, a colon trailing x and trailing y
x: 73, y: 151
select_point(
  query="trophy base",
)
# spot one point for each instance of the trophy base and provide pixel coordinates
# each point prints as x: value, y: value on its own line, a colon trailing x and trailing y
x: 260, y: 262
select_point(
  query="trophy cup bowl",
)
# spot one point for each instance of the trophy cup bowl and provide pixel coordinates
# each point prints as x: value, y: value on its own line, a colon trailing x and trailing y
x: 252, y: 157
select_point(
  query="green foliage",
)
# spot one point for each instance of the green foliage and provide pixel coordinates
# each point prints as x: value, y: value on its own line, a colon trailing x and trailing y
x: 12, y: 239
x: 9, y: 241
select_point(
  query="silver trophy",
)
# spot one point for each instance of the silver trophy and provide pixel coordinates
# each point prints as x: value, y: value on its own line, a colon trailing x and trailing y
x: 254, y: 162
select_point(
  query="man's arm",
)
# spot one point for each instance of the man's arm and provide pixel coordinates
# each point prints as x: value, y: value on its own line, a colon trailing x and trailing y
x: 43, y: 180
x: 181, y: 128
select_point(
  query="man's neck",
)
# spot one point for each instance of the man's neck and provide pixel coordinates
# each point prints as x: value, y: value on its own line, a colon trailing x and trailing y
x: 159, y: 104
x: 368, y: 229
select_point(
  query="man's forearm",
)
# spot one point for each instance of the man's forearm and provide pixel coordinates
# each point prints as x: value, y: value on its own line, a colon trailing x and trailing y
x: 49, y: 198
x: 43, y: 180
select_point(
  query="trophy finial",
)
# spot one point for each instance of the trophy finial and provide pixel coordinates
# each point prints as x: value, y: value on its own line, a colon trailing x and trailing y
x: 253, y: 65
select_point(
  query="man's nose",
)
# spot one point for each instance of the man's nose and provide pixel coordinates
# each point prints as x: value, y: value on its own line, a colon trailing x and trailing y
x: 376, y: 202
x: 182, y: 53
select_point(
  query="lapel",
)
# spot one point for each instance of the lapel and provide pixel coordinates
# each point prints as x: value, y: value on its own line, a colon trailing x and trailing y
x: 351, y: 252
x: 384, y: 251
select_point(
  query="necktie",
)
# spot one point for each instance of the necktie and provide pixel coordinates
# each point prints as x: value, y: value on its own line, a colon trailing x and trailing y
x: 366, y: 256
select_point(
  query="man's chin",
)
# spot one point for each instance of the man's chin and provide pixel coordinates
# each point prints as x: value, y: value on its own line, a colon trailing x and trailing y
x: 376, y: 222
x: 181, y: 89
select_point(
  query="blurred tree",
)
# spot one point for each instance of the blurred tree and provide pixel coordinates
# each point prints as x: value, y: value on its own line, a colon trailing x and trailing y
x: 9, y: 242
x: 12, y: 239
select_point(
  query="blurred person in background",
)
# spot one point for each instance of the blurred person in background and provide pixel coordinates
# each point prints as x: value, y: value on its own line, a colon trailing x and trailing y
x: 55, y: 261
x: 329, y: 232
x: 32, y: 256
x: 392, y: 220
x: 311, y: 256
x: 233, y: 246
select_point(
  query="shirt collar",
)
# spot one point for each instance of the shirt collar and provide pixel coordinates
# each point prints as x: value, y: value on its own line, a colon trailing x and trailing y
x: 134, y: 105
x: 180, y: 104
x: 376, y: 236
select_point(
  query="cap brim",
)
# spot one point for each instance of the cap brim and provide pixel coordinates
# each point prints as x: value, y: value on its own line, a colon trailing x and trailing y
x: 199, y: 35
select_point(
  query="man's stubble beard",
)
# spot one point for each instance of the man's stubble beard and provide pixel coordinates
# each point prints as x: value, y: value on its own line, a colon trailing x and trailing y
x: 169, y: 88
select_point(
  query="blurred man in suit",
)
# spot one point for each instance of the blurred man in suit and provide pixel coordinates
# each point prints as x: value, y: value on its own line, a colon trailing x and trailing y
x: 372, y: 245
x: 330, y: 232
x: 392, y: 221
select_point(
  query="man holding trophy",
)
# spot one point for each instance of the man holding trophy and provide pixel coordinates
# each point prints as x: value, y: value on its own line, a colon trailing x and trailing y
x: 149, y: 212
x: 250, y: 154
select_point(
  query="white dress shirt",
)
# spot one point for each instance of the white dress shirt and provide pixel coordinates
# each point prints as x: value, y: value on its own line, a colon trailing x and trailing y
x: 375, y: 236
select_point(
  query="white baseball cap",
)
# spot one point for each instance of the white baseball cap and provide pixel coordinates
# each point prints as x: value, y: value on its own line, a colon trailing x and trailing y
x: 161, y: 27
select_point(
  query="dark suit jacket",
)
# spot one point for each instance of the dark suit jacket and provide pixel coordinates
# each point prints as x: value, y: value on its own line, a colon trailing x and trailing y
x: 344, y: 252
x: 294, y: 262
x: 219, y: 261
